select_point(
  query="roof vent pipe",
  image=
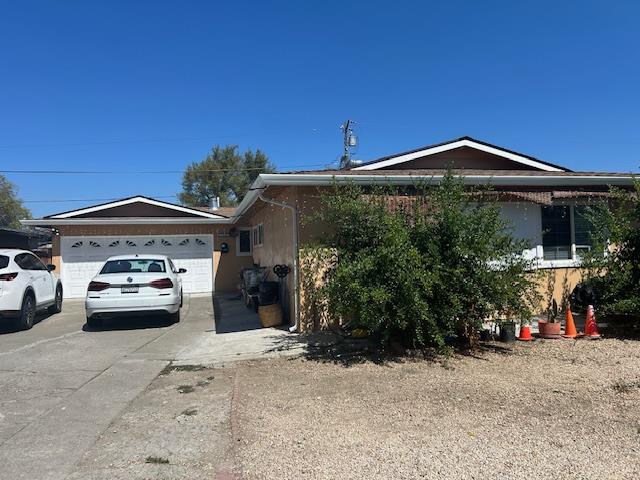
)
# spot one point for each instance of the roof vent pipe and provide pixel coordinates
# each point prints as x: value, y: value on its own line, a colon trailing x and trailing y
x: 215, y: 203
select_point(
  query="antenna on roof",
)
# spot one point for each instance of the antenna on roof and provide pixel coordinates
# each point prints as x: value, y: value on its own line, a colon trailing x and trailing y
x: 350, y: 142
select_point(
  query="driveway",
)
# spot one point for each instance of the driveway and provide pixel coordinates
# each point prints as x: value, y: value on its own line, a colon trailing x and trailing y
x: 61, y: 386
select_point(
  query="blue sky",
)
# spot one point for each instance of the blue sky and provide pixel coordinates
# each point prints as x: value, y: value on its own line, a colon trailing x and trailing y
x: 152, y: 85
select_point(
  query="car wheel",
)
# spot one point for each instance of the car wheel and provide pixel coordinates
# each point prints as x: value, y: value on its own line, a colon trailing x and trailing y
x: 27, y: 312
x: 94, y: 322
x: 175, y: 317
x: 57, y: 306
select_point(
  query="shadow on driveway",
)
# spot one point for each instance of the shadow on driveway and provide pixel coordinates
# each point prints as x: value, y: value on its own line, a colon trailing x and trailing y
x: 131, y: 323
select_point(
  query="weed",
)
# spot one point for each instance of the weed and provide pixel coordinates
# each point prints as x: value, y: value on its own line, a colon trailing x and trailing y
x: 181, y: 368
x: 157, y: 460
x: 190, y: 412
x: 185, y: 389
x: 622, y: 386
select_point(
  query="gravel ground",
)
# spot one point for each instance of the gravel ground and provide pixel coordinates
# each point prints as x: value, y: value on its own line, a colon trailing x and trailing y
x: 546, y: 410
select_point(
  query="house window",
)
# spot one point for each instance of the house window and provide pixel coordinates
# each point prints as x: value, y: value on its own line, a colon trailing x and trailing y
x: 243, y: 241
x: 556, y: 232
x: 566, y: 232
x: 258, y: 235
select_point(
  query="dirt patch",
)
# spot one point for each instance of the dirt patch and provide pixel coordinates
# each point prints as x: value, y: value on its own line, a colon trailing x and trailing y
x: 543, y: 410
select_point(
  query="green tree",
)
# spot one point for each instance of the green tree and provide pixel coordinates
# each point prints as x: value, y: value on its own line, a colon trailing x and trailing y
x: 426, y: 267
x: 615, y: 276
x: 224, y: 173
x: 11, y: 208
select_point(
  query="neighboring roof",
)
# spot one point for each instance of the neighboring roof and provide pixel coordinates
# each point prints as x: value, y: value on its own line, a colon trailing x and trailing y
x: 193, y: 212
x: 222, y: 211
x: 463, y: 173
x: 466, y: 141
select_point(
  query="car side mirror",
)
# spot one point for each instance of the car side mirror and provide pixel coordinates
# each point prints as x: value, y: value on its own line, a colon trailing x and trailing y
x: 51, y: 267
x: 182, y: 270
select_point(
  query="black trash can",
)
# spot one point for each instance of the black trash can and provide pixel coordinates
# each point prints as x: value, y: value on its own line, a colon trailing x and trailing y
x: 508, y: 332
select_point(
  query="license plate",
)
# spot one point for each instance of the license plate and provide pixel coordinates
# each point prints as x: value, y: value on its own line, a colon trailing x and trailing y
x: 129, y: 289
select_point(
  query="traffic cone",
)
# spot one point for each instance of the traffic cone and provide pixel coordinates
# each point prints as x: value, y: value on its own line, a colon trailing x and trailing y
x: 590, y: 328
x: 525, y: 333
x: 569, y: 325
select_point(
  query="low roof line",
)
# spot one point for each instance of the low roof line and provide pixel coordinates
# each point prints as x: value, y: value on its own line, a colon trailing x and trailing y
x: 127, y: 221
x: 265, y: 180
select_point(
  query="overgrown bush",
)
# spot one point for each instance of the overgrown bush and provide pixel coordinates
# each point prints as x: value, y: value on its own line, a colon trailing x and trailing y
x: 425, y: 268
x: 615, y: 276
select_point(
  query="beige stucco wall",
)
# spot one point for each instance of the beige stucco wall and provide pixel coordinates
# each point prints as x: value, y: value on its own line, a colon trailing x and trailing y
x: 226, y: 265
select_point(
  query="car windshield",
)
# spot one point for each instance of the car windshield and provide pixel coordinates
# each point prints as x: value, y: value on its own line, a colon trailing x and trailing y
x: 4, y: 261
x: 134, y: 265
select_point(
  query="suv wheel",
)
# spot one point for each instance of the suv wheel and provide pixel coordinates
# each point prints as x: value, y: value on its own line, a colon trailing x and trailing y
x: 27, y: 312
x: 57, y: 306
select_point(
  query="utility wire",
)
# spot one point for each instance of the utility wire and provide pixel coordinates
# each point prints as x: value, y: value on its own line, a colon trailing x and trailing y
x: 93, y: 199
x: 139, y: 172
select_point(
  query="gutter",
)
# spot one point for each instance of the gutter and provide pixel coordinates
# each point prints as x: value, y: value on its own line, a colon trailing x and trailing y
x: 296, y: 289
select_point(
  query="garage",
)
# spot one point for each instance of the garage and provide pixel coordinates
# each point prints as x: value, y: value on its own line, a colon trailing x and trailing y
x: 81, y: 257
x: 201, y: 240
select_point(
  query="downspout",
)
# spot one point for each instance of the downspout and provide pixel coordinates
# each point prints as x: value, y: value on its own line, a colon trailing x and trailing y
x: 296, y: 292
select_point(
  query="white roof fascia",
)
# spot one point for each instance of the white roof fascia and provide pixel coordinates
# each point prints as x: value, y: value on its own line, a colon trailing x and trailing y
x: 457, y: 144
x: 127, y: 221
x: 128, y: 201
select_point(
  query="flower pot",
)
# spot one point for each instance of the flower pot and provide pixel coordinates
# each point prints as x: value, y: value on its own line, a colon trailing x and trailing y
x: 508, y: 332
x: 549, y: 329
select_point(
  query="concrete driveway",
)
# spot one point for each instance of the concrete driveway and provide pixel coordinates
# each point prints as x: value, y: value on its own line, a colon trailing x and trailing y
x: 62, y: 385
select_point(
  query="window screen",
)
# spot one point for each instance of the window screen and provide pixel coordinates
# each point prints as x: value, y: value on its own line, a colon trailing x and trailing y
x: 556, y: 232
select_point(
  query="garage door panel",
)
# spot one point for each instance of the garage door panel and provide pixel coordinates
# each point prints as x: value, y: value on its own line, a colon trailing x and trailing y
x: 82, y: 257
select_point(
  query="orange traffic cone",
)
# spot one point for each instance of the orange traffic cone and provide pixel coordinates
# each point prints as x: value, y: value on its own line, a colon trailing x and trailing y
x: 525, y: 333
x: 590, y: 328
x: 569, y: 325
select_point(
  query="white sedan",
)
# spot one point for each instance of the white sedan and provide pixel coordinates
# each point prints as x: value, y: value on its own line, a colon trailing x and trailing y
x: 135, y: 285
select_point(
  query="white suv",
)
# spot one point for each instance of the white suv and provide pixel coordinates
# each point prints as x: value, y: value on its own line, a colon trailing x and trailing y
x: 26, y: 286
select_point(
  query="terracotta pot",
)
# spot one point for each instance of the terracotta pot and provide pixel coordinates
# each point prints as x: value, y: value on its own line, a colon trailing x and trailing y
x: 549, y: 330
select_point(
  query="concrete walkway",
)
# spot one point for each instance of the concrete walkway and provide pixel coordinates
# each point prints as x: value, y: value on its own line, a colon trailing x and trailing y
x: 238, y: 336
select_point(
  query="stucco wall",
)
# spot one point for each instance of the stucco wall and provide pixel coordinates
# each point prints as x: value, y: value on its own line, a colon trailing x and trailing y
x: 226, y: 266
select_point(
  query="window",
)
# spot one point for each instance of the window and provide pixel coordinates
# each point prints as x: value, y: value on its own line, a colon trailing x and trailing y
x: 243, y: 242
x: 133, y: 265
x: 4, y: 261
x: 583, y: 229
x: 566, y: 232
x: 258, y: 235
x: 27, y: 261
x: 556, y: 232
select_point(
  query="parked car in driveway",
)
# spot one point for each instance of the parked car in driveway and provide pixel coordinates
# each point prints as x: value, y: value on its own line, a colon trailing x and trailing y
x: 27, y: 286
x: 135, y: 285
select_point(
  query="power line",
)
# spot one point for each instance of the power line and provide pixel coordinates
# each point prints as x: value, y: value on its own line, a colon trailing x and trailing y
x: 140, y: 172
x: 92, y: 199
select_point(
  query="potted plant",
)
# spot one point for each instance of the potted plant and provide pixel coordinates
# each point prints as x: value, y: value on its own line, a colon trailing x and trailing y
x: 551, y: 327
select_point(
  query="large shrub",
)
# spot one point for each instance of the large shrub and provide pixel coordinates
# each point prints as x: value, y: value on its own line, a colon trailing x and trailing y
x: 423, y: 268
x: 615, y: 276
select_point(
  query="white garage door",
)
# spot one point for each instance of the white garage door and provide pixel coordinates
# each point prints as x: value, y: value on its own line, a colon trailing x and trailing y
x: 82, y: 257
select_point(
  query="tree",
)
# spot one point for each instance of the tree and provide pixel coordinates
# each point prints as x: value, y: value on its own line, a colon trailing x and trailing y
x: 615, y: 277
x: 11, y: 208
x: 426, y: 267
x: 224, y: 173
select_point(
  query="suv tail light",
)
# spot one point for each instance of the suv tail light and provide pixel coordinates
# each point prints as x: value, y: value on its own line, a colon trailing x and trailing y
x: 162, y: 283
x: 98, y: 286
x: 7, y: 277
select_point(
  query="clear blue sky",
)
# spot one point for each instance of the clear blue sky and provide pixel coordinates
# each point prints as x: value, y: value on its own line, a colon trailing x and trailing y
x: 124, y: 85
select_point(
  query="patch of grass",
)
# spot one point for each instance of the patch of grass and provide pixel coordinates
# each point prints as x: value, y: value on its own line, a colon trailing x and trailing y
x: 202, y: 383
x: 190, y: 412
x: 157, y: 460
x: 185, y: 389
x: 622, y: 386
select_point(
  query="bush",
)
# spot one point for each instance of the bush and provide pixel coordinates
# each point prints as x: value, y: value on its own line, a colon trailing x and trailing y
x: 422, y: 269
x: 615, y: 277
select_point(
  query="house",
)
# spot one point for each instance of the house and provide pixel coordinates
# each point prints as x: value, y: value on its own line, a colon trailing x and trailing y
x: 545, y: 203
